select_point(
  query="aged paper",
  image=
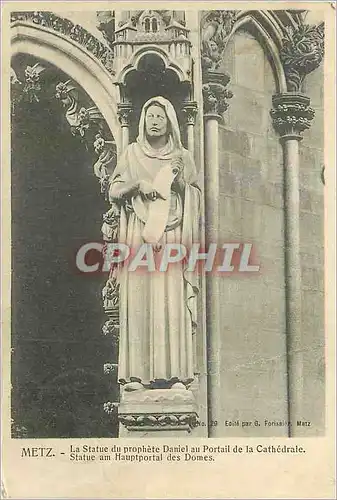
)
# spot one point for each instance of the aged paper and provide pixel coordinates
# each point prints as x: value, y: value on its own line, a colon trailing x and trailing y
x: 168, y: 244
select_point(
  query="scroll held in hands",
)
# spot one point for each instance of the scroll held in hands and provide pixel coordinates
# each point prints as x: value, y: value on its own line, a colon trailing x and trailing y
x: 159, y: 208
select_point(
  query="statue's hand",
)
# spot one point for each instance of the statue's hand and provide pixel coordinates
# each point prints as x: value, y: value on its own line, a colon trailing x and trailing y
x: 147, y: 192
x: 177, y: 165
x: 178, y: 169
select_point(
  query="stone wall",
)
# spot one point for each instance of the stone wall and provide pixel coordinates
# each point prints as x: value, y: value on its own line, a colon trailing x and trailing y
x: 253, y: 353
x: 312, y: 258
x: 253, y: 367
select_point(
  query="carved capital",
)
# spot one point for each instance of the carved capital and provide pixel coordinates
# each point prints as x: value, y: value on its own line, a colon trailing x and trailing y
x: 124, y: 112
x: 190, y: 110
x: 291, y: 114
x: 215, y: 94
x: 302, y: 52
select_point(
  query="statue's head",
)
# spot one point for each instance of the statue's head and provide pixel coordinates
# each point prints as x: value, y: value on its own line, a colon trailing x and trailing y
x: 156, y: 121
x: 158, y: 124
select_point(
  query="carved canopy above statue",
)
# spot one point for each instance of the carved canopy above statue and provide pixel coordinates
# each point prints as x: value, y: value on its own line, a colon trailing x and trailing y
x: 152, y: 31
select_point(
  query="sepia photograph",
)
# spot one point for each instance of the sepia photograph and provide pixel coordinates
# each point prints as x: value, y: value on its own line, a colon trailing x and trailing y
x: 120, y: 135
x: 166, y: 246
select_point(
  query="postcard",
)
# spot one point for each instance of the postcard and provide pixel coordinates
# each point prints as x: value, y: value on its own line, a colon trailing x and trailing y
x: 168, y: 244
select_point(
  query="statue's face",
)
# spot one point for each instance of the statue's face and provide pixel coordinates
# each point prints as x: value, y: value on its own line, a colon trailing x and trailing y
x: 155, y: 121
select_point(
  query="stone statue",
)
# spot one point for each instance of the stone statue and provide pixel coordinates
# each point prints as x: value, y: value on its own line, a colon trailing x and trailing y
x: 157, y: 309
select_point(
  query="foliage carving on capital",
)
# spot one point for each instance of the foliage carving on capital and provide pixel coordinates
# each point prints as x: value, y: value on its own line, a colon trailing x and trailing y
x: 302, y: 52
x: 124, y: 112
x: 189, y: 111
x: 291, y: 114
x: 215, y: 98
x: 216, y: 29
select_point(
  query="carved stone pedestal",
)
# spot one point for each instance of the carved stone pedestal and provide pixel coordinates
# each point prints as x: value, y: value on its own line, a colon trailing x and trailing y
x: 157, y: 413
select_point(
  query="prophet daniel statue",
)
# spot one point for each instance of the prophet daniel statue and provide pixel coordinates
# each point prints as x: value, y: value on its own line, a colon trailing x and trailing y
x: 155, y: 183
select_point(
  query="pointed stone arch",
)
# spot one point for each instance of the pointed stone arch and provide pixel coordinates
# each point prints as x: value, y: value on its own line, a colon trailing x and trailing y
x: 89, y: 73
x: 269, y: 33
x: 81, y: 66
x: 267, y: 27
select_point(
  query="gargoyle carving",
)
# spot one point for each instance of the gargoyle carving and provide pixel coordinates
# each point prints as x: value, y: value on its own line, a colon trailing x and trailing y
x: 78, y: 117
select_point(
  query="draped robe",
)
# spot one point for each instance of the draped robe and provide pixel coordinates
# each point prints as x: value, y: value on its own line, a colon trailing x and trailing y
x: 157, y: 309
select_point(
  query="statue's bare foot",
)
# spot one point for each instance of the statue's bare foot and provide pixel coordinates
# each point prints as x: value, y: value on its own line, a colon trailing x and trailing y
x: 179, y: 386
x: 133, y: 386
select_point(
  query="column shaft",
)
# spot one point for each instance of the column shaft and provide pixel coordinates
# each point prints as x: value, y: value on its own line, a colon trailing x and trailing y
x: 190, y: 138
x: 213, y: 332
x: 293, y: 280
x: 125, y: 137
x: 292, y: 115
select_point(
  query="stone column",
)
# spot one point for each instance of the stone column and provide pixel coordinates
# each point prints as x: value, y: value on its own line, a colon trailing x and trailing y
x: 190, y: 111
x: 215, y: 97
x: 291, y: 115
x: 124, y: 113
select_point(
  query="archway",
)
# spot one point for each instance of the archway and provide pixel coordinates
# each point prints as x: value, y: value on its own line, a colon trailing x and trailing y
x: 74, y: 61
x: 268, y: 32
x: 152, y: 78
x: 57, y: 314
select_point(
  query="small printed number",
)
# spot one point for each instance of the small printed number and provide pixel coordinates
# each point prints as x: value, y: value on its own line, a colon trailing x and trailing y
x: 213, y: 423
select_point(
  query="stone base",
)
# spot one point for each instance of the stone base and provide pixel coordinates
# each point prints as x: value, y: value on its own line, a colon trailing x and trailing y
x: 157, y: 413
